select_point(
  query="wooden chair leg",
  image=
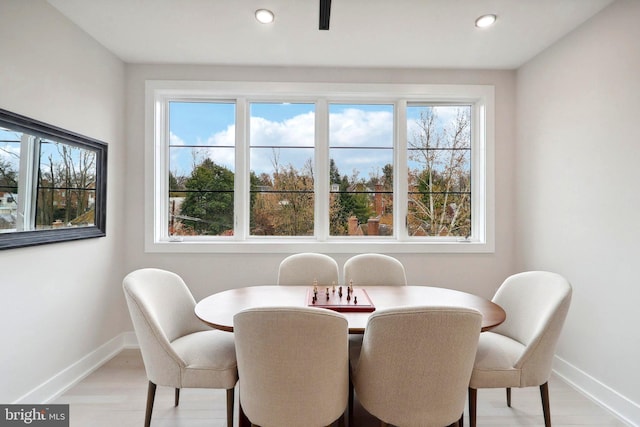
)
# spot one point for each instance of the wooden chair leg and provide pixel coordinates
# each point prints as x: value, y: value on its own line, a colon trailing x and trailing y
x: 544, y: 394
x: 243, y: 420
x: 151, y: 395
x: 177, y: 397
x: 509, y: 397
x: 473, y: 396
x: 350, y: 403
x: 230, y: 402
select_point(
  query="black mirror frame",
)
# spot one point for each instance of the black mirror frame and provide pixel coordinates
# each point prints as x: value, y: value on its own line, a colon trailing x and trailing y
x: 40, y: 237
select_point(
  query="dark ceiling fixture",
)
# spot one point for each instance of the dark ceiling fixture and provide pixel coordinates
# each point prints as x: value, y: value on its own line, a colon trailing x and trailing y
x: 325, y: 12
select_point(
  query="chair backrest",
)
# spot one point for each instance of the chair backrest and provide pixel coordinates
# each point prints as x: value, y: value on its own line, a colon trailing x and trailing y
x: 415, y: 364
x: 536, y: 303
x: 374, y: 269
x: 162, y: 309
x: 304, y: 268
x: 292, y: 365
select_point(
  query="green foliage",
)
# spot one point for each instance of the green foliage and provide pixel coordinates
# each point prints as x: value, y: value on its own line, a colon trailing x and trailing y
x: 208, y: 205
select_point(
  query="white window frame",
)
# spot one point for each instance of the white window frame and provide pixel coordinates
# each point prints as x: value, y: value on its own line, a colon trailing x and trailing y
x: 160, y: 92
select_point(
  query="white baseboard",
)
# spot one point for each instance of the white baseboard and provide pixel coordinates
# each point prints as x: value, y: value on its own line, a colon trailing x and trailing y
x: 70, y: 376
x: 623, y: 408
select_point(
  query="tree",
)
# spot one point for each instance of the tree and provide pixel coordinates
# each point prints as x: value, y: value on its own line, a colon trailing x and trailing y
x: 65, y: 181
x: 208, y: 204
x: 284, y: 206
x: 439, y: 198
x: 8, y: 177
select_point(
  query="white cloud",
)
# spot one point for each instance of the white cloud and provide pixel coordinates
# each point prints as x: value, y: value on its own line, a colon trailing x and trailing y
x: 226, y: 137
x: 350, y: 128
x: 175, y: 139
x: 355, y: 127
x: 297, y: 131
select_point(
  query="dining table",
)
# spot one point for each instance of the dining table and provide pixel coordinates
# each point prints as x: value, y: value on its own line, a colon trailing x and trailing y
x: 218, y: 310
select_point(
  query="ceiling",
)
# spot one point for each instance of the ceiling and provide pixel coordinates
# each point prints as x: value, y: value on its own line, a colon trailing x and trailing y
x: 362, y: 33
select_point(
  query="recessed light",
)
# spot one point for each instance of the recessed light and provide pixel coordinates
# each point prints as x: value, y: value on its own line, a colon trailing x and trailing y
x: 264, y: 16
x: 486, y: 21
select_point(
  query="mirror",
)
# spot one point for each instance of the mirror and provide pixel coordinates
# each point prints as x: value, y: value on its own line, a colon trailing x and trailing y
x: 53, y: 183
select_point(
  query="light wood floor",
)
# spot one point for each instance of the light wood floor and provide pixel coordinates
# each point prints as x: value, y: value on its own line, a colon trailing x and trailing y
x: 115, y: 395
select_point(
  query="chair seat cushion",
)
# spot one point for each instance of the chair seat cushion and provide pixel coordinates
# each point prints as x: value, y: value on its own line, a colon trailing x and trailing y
x: 210, y: 359
x: 495, y: 361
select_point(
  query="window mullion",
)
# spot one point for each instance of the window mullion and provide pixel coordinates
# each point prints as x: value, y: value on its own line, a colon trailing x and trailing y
x: 161, y: 169
x: 400, y: 180
x: 321, y: 178
x: 28, y: 182
x: 242, y: 181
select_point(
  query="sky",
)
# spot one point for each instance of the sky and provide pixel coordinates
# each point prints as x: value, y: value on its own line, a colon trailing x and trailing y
x: 10, y: 149
x: 360, y: 136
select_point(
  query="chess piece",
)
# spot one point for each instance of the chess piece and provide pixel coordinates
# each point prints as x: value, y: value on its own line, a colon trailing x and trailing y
x: 333, y: 285
x: 355, y: 299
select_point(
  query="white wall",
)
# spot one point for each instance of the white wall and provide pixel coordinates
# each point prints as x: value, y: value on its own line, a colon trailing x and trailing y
x: 60, y: 302
x: 577, y: 160
x: 479, y: 273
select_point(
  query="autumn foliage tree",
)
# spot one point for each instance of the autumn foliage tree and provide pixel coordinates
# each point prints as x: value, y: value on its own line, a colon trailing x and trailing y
x: 286, y: 206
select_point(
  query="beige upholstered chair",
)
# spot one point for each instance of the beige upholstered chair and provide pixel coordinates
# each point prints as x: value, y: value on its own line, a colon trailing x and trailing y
x: 519, y: 352
x: 178, y: 350
x: 374, y: 269
x: 415, y: 363
x: 304, y: 268
x: 293, y: 365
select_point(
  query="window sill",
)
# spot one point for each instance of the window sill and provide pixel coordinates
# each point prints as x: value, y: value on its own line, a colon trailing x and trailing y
x: 295, y: 245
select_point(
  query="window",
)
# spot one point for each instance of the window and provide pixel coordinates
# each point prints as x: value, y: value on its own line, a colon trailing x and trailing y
x: 238, y: 167
x: 361, y: 169
x: 439, y: 170
x: 52, y: 184
x: 201, y: 168
x: 282, y: 142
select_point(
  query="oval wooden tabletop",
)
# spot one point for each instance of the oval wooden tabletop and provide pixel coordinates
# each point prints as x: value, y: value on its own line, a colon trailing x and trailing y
x: 218, y: 309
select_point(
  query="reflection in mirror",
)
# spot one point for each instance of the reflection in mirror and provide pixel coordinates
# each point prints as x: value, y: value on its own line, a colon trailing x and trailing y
x: 52, y: 183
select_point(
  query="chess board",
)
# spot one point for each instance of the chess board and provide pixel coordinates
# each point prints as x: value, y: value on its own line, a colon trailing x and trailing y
x: 359, y: 301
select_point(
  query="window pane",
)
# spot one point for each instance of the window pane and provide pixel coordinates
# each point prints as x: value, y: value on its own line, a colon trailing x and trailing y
x: 201, y: 168
x: 66, y: 186
x: 361, y: 169
x: 9, y: 171
x: 439, y: 175
x: 282, y: 138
